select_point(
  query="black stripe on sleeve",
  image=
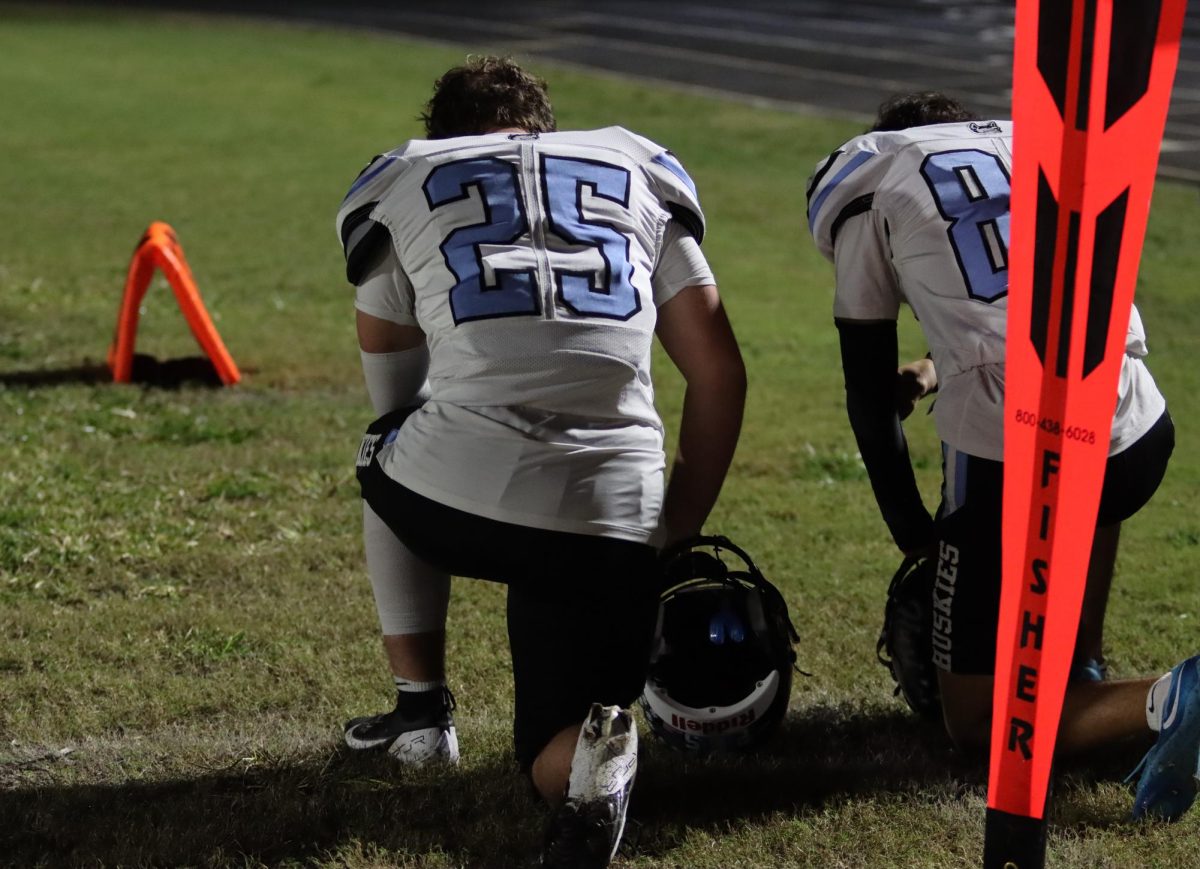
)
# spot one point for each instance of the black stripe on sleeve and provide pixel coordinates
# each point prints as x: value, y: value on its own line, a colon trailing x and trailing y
x: 688, y: 219
x: 364, y: 242
x: 855, y: 207
x: 821, y: 173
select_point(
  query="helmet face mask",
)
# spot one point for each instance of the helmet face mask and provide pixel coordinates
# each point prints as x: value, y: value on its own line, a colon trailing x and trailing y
x: 721, y: 664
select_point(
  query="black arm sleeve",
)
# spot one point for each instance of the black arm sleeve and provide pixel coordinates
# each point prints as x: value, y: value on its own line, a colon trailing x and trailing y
x: 869, y: 357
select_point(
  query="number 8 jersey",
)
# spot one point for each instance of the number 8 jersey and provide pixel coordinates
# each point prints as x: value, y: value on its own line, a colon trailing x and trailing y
x: 922, y: 216
x: 534, y: 263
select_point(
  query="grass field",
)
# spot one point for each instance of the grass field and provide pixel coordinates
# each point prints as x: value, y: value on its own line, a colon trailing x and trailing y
x: 185, y: 619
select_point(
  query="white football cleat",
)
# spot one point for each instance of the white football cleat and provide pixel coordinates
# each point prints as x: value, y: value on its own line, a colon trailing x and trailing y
x: 586, y: 830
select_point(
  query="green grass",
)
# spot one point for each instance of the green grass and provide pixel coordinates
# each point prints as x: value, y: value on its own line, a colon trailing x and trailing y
x: 184, y: 615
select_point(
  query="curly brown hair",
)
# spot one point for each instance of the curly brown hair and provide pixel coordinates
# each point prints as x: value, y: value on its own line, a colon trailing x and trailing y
x: 902, y: 111
x: 487, y: 93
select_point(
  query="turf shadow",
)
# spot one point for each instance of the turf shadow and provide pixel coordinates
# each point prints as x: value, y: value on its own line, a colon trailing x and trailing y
x: 147, y: 371
x: 301, y: 810
x: 828, y: 755
x: 823, y: 754
x: 277, y: 813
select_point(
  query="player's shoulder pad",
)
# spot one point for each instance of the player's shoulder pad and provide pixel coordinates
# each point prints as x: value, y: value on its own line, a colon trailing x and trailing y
x: 361, y: 235
x: 843, y: 185
x: 669, y: 180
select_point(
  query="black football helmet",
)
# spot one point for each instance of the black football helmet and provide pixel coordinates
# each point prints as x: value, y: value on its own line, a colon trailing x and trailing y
x: 905, y: 644
x: 721, y: 663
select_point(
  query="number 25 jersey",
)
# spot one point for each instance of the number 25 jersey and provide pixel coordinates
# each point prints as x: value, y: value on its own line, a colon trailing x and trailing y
x: 922, y: 216
x: 534, y: 263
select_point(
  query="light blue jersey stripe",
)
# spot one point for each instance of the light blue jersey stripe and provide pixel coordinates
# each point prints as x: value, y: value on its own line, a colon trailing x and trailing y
x: 668, y: 162
x: 858, y: 159
x: 367, y: 177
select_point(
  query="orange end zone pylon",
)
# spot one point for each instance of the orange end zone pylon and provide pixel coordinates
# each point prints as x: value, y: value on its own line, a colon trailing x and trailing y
x: 159, y: 248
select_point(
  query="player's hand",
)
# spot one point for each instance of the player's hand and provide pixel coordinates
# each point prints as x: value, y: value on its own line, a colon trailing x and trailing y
x: 914, y: 381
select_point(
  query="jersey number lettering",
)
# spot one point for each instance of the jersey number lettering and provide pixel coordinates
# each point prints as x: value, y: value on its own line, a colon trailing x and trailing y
x: 971, y: 191
x: 592, y: 280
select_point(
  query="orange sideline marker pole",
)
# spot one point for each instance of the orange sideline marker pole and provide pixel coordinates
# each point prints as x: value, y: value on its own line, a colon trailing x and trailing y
x: 1091, y: 86
x: 160, y: 248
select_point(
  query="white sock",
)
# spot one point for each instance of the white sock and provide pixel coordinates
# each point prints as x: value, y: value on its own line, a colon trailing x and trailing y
x: 409, y: 685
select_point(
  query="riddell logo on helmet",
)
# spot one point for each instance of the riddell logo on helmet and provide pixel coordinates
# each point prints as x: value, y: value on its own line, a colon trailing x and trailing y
x: 743, y: 719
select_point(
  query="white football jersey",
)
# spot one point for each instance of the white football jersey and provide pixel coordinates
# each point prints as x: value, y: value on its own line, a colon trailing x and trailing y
x: 534, y: 264
x: 921, y: 216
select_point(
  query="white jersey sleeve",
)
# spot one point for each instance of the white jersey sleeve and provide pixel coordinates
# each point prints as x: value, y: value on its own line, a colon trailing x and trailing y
x: 385, y: 291
x: 671, y: 182
x: 363, y: 237
x: 1135, y: 337
x: 851, y: 232
x: 372, y: 264
x: 867, y: 288
x: 681, y: 264
x: 842, y: 187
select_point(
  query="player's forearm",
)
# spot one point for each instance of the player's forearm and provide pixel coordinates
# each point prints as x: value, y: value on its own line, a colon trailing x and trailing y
x: 884, y: 451
x: 708, y: 433
x: 869, y: 353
